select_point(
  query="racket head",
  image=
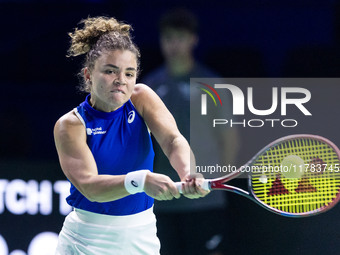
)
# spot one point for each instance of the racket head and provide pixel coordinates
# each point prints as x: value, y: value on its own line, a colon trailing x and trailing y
x: 316, y: 191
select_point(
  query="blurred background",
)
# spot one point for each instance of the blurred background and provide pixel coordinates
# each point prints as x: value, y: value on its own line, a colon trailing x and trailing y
x: 243, y: 39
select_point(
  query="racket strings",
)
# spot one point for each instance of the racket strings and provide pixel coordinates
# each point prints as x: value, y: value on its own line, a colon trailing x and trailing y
x: 318, y: 186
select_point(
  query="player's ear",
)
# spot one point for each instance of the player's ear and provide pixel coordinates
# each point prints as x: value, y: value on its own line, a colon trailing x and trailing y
x: 87, y: 74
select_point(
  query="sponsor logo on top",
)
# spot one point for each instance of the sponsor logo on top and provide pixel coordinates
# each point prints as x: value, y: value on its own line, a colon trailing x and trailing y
x: 95, y: 131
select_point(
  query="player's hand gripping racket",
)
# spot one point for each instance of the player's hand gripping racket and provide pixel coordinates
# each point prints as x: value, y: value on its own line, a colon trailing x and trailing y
x: 295, y: 176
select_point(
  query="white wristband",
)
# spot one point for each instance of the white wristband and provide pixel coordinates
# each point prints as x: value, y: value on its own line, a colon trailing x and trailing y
x: 134, y: 181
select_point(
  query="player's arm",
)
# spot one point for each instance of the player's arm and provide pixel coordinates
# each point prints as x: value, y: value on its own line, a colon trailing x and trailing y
x: 79, y: 166
x: 164, y: 128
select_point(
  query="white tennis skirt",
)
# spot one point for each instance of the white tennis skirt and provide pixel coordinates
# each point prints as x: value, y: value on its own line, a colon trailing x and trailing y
x: 90, y: 233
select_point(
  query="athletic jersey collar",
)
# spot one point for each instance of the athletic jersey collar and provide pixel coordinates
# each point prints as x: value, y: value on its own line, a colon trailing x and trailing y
x: 100, y: 114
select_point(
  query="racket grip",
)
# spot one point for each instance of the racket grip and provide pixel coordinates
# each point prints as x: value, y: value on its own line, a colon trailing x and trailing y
x: 205, y: 186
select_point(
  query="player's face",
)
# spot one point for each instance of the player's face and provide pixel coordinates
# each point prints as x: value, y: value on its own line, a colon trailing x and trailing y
x: 177, y: 43
x: 113, y: 79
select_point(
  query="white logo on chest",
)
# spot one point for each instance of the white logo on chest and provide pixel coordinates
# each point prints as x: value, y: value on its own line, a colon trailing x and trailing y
x: 131, y: 117
x: 95, y: 131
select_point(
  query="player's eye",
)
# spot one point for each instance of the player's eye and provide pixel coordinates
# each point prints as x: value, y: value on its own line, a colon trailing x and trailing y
x: 130, y: 75
x: 108, y: 71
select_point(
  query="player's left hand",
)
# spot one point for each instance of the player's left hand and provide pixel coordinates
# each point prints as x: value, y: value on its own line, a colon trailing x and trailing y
x: 192, y: 187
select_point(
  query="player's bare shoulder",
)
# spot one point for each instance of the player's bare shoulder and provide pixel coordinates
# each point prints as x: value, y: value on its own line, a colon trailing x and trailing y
x: 142, y: 95
x: 141, y: 89
x: 68, y: 125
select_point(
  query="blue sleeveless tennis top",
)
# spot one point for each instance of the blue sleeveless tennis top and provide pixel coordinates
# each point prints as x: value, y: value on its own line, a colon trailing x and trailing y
x: 120, y: 143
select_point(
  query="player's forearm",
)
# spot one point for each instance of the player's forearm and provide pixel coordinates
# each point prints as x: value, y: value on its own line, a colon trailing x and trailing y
x: 103, y: 188
x: 180, y: 156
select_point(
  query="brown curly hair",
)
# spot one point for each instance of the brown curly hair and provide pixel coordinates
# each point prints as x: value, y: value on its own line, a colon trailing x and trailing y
x: 97, y: 35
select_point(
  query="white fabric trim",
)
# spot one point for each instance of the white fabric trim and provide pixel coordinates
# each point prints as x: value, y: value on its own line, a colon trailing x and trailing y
x: 141, y: 117
x: 75, y: 110
x: 132, y: 220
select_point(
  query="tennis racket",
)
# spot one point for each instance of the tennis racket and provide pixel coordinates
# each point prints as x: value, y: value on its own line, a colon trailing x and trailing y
x: 294, y: 176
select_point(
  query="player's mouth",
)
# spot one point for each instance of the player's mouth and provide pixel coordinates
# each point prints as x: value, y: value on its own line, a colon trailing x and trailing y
x: 117, y: 91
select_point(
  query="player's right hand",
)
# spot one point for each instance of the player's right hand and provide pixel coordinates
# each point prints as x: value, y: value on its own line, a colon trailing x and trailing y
x: 160, y: 187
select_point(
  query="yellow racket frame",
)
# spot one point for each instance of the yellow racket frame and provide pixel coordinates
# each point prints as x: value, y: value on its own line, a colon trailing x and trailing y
x: 318, y: 188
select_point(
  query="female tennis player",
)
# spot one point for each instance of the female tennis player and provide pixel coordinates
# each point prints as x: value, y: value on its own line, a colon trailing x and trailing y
x: 105, y: 150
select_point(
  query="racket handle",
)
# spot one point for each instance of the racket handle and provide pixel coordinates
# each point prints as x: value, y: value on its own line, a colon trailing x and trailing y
x: 205, y: 186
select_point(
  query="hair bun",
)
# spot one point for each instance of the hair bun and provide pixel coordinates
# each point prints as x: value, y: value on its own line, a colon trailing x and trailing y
x: 83, y: 39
